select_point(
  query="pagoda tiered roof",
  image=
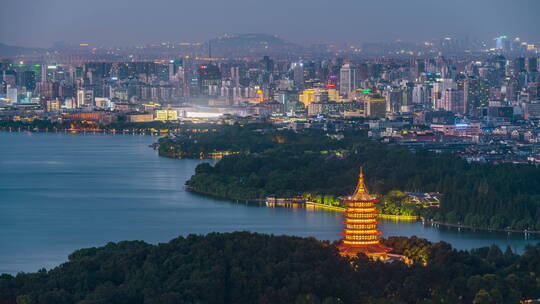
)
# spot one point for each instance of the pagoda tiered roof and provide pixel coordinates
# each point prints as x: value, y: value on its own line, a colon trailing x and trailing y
x: 361, y: 234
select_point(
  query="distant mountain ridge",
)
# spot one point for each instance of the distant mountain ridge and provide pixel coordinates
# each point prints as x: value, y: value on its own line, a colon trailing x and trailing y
x: 252, y: 43
x: 225, y: 45
x: 11, y: 50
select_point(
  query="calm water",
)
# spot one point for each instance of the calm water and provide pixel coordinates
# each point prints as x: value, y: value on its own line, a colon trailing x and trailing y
x: 61, y: 192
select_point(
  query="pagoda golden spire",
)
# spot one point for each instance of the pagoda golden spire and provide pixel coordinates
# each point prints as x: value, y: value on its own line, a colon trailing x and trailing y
x: 361, y: 192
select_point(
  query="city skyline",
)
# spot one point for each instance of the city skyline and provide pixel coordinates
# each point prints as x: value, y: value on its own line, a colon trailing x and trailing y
x: 123, y: 23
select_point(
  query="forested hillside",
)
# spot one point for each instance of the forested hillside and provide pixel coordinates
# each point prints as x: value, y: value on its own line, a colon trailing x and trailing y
x: 244, y: 267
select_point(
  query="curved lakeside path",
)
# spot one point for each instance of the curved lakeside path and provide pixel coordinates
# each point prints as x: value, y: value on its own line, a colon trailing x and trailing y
x: 61, y: 192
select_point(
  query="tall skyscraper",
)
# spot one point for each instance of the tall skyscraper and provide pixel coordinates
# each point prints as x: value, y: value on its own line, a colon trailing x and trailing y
x: 209, y: 76
x: 347, y: 79
x: 298, y: 74
x: 471, y: 94
x: 235, y: 76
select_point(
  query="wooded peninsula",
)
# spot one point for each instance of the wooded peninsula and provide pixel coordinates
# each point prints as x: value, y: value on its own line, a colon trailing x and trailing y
x: 265, y: 161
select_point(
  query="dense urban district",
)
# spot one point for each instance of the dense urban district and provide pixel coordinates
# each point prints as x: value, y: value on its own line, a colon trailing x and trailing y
x: 244, y: 267
x: 478, y: 99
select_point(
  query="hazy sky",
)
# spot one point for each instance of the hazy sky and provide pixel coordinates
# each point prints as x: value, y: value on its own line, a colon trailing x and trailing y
x: 130, y: 22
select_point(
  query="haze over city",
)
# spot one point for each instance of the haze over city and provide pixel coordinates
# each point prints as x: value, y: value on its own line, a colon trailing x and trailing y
x: 127, y: 22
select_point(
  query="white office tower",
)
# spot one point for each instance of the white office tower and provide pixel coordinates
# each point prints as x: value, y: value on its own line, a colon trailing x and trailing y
x: 12, y: 94
x: 437, y: 92
x: 347, y: 79
x: 80, y: 98
x: 85, y: 98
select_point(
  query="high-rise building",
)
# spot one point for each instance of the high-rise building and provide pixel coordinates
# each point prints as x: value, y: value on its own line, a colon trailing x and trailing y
x: 452, y: 100
x: 267, y: 68
x: 471, y: 94
x: 174, y: 66
x: 47, y: 89
x: 502, y: 43
x: 375, y: 106
x: 419, y: 67
x: 531, y: 64
x: 393, y: 100
x: 420, y: 94
x: 347, y: 79
x: 518, y: 64
x: 438, y: 90
x: 511, y: 87
x: 209, y: 75
x: 12, y: 94
x: 235, y: 76
x: 28, y: 80
x: 85, y: 98
x: 162, y: 71
x: 298, y: 74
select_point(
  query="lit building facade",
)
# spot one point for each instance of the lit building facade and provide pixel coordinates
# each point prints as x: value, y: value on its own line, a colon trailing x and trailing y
x: 361, y: 234
x: 166, y: 115
x: 347, y: 79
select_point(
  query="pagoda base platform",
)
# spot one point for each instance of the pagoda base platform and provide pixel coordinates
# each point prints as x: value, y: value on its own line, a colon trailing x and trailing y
x: 375, y: 251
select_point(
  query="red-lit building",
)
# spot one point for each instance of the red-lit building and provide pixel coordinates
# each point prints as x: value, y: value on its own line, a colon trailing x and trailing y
x: 99, y: 117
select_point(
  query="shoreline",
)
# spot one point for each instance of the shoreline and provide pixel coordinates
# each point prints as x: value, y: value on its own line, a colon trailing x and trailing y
x: 83, y: 131
x: 308, y: 205
x: 425, y: 221
x: 190, y: 189
x: 407, y: 218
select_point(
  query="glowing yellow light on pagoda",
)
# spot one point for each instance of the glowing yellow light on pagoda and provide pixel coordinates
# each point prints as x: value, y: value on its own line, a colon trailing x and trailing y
x: 361, y: 234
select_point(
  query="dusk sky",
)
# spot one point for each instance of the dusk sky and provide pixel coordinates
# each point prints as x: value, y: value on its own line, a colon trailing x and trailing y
x: 132, y: 22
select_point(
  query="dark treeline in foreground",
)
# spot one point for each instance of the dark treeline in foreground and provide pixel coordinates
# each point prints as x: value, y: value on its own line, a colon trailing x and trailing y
x: 285, y: 163
x: 244, y: 267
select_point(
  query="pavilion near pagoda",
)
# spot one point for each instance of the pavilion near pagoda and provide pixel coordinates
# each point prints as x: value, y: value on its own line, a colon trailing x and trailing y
x: 361, y: 234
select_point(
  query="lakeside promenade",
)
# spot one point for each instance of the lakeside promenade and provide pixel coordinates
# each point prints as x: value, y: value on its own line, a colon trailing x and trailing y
x: 313, y: 205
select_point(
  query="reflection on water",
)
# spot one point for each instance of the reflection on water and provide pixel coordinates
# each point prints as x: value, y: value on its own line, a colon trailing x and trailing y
x: 60, y: 192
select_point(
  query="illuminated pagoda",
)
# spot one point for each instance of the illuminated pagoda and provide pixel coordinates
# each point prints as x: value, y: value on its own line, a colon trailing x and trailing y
x: 361, y: 234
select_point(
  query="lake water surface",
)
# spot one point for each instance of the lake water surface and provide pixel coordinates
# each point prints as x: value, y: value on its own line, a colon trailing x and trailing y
x: 61, y: 192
